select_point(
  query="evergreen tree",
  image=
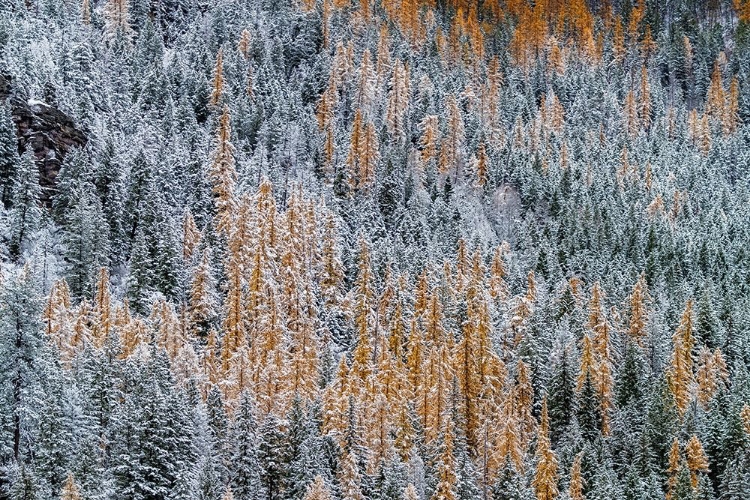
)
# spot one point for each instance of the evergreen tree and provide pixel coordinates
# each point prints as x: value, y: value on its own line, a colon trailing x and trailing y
x: 21, y: 370
x: 26, y: 213
x: 244, y: 466
x: 9, y: 159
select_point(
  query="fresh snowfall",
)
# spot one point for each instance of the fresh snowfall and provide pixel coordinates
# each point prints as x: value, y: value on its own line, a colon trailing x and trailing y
x: 374, y: 249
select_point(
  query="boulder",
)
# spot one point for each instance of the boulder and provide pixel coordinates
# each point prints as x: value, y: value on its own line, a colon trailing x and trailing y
x: 49, y: 132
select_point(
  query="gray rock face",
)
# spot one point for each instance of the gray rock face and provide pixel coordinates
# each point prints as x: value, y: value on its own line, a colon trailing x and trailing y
x: 49, y: 132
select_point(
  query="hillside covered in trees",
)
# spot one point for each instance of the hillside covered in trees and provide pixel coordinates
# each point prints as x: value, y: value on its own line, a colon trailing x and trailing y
x: 374, y: 249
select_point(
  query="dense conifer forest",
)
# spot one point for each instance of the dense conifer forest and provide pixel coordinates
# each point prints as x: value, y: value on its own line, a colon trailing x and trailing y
x: 374, y: 249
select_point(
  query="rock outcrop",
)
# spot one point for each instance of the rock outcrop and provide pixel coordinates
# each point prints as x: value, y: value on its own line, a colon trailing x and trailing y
x: 49, y: 132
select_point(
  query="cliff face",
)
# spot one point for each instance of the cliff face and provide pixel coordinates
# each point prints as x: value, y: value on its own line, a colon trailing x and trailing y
x: 49, y: 132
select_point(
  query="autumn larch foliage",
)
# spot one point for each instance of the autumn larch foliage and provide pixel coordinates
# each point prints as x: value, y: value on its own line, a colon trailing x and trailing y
x: 681, y: 376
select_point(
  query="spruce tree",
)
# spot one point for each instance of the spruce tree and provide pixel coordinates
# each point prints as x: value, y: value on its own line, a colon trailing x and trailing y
x: 26, y: 212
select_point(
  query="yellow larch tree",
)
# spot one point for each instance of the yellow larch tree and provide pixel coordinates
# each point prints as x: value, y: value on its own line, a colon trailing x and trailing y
x: 715, y: 97
x: 697, y: 461
x: 410, y: 492
x: 202, y: 302
x: 602, y: 376
x: 745, y: 416
x: 243, y: 45
x: 86, y: 12
x: 336, y: 404
x: 223, y: 175
x: 318, y: 490
x: 355, y: 142
x: 367, y: 82
x: 304, y: 362
x: 730, y: 119
x: 429, y: 138
x: 507, y: 443
x: 575, y: 488
x: 70, y: 490
x: 326, y: 106
x: 524, y: 402
x: 166, y: 324
x: 498, y: 288
x: 439, y: 378
x: 618, y: 40
x: 481, y: 166
x: 217, y: 84
x: 191, y: 236
x: 630, y: 114
x: 644, y: 102
x: 235, y: 332
x: 638, y: 311
x: 680, y: 372
x: 712, y: 373
x: 545, y: 476
x: 673, y: 467
x: 117, y: 19
x: 370, y: 155
x: 57, y: 314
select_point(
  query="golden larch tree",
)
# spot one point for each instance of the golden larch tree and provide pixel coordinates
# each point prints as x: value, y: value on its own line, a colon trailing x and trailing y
x: 70, y: 490
x: 217, y: 84
x: 318, y: 490
x: 602, y: 377
x: 673, y: 467
x: 223, y: 175
x: 745, y: 416
x: 202, y: 303
x: 117, y: 19
x: 644, y: 103
x: 575, y: 488
x: 545, y: 476
x: 680, y: 372
x: 191, y: 236
x: 638, y: 311
x: 697, y: 461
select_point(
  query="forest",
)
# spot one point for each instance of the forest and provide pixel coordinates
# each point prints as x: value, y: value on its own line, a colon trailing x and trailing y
x: 374, y: 249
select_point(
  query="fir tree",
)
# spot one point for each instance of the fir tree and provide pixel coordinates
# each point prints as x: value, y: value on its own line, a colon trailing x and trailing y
x: 26, y: 213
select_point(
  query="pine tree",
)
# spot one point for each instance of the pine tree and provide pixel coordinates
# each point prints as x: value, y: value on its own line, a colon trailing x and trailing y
x: 87, y: 243
x: 9, y: 159
x: 244, y: 466
x: 21, y: 348
x: 26, y: 213
x: 561, y: 398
